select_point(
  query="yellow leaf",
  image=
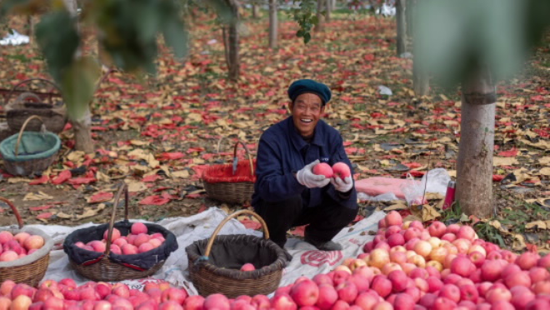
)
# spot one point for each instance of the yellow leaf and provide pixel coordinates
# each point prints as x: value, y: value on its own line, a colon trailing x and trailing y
x: 135, y: 186
x: 429, y: 213
x: 182, y: 174
x: 397, y: 206
x: 504, y: 161
x: 538, y: 224
x: 545, y: 171
x: 19, y: 180
x: 39, y: 196
x: 139, y: 142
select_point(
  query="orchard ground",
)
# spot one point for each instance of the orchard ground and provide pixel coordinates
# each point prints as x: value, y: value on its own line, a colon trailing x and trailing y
x: 179, y: 116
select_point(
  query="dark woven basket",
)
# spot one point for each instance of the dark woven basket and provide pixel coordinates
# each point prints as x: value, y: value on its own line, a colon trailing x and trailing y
x: 238, y: 184
x: 28, y: 103
x: 31, y: 268
x: 106, y: 267
x: 32, y: 164
x: 214, y: 263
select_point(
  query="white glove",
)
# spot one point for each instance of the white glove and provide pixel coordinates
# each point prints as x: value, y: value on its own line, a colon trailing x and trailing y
x: 307, y: 178
x: 342, y: 185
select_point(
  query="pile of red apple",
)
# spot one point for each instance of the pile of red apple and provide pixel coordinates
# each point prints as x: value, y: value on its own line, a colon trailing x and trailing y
x: 408, y: 266
x: 339, y: 169
x: 65, y: 294
x: 138, y: 241
x: 19, y: 245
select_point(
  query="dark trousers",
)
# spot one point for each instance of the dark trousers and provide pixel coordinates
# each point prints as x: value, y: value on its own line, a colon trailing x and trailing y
x: 325, y: 221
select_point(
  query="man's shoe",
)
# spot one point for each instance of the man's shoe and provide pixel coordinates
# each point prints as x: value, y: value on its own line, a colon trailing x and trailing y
x: 325, y: 246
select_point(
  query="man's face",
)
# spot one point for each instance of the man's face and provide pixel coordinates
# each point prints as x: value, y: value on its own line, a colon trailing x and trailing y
x: 306, y: 112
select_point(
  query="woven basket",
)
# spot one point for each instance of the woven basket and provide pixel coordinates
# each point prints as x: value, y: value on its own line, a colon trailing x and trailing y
x: 28, y: 103
x: 105, y: 267
x: 221, y: 274
x: 29, y: 164
x: 231, y: 183
x: 31, y: 268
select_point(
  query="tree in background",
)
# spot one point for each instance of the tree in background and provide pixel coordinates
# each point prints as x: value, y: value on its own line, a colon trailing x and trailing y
x: 273, y: 24
x: 127, y: 31
x: 475, y: 44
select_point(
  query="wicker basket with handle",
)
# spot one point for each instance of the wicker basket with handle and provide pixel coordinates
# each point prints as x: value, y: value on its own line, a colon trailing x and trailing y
x: 31, y: 268
x: 45, y: 145
x: 108, y: 266
x: 231, y: 183
x: 39, y: 103
x: 214, y: 263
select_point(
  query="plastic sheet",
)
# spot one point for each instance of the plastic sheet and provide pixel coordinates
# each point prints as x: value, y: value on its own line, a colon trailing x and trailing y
x: 14, y: 38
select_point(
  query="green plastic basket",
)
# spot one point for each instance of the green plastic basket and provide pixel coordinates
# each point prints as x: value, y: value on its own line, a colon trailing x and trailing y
x: 29, y: 152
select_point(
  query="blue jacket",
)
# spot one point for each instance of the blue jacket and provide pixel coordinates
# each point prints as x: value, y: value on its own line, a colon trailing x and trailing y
x: 282, y: 152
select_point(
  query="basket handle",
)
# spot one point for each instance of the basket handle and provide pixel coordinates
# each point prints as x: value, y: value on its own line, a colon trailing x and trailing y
x: 236, y: 160
x: 48, y: 92
x: 123, y: 188
x: 15, y: 211
x: 211, y: 240
x: 23, y: 129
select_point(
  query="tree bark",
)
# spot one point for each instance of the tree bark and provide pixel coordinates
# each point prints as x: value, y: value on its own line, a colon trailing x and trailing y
x: 421, y: 81
x: 82, y: 127
x: 255, y: 10
x: 474, y: 188
x: 273, y: 24
x: 319, y: 26
x: 401, y: 20
x: 231, y: 43
x: 328, y: 6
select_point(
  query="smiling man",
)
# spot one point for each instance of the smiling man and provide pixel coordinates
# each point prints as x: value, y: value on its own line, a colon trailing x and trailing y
x: 287, y: 193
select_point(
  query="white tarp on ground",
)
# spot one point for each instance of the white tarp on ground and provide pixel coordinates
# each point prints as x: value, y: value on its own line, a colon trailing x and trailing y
x: 306, y: 259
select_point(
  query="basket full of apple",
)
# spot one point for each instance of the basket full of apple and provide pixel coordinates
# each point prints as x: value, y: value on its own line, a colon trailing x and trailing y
x: 24, y: 252
x: 121, y: 250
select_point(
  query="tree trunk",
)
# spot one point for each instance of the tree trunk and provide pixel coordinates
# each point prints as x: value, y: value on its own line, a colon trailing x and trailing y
x: 273, y: 24
x: 231, y: 43
x: 82, y: 132
x: 82, y: 127
x: 401, y: 26
x: 474, y: 188
x: 255, y: 10
x: 328, y: 6
x: 319, y: 26
x: 421, y: 81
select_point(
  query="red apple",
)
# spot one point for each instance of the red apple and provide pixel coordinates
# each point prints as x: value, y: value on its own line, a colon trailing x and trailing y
x: 398, y: 280
x: 497, y: 293
x: 367, y: 300
x: 305, y: 293
x: 196, y: 302
x: 434, y: 284
x: 403, y: 302
x: 34, y: 242
x: 394, y: 218
x: 462, y: 266
x: 542, y: 287
x: 248, y: 267
x: 381, y: 285
x: 21, y: 302
x: 443, y: 303
x: 8, y: 256
x: 323, y: 169
x: 174, y: 294
x: 260, y: 302
x: 138, y: 228
x: 451, y: 292
x: 341, y: 170
x: 469, y: 292
x: 54, y: 303
x: 527, y: 260
x: 437, y: 229
x: 282, y: 302
x: 466, y: 232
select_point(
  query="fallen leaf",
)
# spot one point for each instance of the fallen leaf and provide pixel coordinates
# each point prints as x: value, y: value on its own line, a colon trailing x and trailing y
x: 538, y: 224
x: 155, y: 200
x: 504, y: 161
x: 429, y: 213
x: 39, y: 196
x: 100, y: 197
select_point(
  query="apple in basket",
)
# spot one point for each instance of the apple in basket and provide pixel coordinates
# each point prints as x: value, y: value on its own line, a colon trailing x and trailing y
x: 138, y: 241
x: 18, y: 246
x: 248, y: 267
